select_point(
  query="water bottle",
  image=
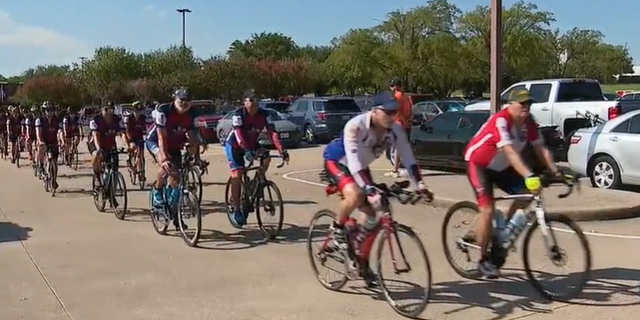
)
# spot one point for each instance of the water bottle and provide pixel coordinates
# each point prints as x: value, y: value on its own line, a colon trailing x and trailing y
x: 499, y: 225
x: 515, y: 227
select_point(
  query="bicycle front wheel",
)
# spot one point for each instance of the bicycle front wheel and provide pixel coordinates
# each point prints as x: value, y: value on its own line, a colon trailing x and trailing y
x: 159, y: 217
x: 193, y: 182
x: 76, y: 159
x: 329, y: 265
x: 118, y: 195
x: 98, y: 195
x: 409, y: 296
x: 190, y: 218
x: 227, y: 201
x: 554, y: 245
x: 270, y: 210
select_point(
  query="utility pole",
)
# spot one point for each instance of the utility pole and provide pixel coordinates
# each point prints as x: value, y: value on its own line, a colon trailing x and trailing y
x: 183, y: 11
x: 496, y: 55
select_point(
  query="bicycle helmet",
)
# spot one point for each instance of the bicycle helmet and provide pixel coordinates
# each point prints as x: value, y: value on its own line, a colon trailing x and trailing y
x: 137, y: 105
x: 395, y: 82
x: 182, y: 94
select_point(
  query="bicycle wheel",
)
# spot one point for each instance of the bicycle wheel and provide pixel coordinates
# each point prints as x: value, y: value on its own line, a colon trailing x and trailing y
x: 227, y: 201
x: 323, y: 254
x: 193, y: 182
x: 118, y: 195
x: 51, y: 178
x: 76, y: 160
x: 142, y: 178
x: 99, y: 199
x: 542, y: 280
x: 407, y: 297
x: 159, y: 218
x: 460, y: 217
x: 189, y: 209
x: 270, y: 202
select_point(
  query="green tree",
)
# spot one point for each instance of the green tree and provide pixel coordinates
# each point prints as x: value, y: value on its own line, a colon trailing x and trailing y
x: 265, y: 45
x: 105, y: 76
x: 57, y: 88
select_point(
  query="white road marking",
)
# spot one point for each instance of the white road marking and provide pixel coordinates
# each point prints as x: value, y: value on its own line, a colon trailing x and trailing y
x: 588, y: 233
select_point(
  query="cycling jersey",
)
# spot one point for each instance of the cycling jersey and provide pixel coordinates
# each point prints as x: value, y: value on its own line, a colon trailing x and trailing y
x: 135, y: 126
x: 247, y: 129
x: 3, y: 123
x: 358, y: 147
x: 30, y: 124
x: 177, y: 125
x: 14, y: 124
x: 72, y: 124
x: 108, y: 131
x: 49, y: 128
x: 484, y: 149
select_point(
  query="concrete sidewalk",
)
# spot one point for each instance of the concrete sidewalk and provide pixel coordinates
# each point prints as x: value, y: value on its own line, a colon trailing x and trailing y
x: 586, y: 204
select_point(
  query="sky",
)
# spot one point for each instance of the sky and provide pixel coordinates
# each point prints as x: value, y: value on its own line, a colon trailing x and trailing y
x: 34, y: 32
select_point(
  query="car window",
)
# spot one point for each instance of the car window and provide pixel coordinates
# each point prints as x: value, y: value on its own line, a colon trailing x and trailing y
x: 452, y: 107
x: 303, y: 106
x: 420, y: 107
x: 540, y: 92
x: 507, y: 95
x: 432, y: 108
x: 634, y: 126
x: 623, y: 127
x: 627, y: 97
x: 464, y: 123
x: 579, y: 91
x: 444, y: 122
x: 336, y: 105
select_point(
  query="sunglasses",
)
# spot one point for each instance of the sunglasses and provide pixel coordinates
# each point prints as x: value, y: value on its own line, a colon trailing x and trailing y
x: 250, y: 99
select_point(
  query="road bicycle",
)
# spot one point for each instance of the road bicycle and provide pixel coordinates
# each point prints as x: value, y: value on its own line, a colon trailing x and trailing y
x: 258, y: 194
x: 110, y: 186
x: 355, y: 259
x: 192, y: 173
x: 186, y: 206
x: 4, y: 146
x: 500, y: 245
x: 71, y: 157
x: 50, y: 172
x: 137, y: 173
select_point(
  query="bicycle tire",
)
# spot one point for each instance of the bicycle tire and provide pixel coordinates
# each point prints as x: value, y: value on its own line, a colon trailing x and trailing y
x: 572, y: 225
x: 469, y: 274
x: 193, y: 175
x: 267, y: 233
x: 51, y: 174
x: 195, y: 207
x: 99, y: 199
x: 159, y: 226
x: 76, y: 160
x: 339, y: 284
x: 142, y: 178
x: 120, y: 211
x: 399, y: 228
x: 227, y: 201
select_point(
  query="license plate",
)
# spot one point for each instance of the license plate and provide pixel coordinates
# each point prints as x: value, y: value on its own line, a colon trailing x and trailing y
x: 284, y: 135
x: 346, y: 117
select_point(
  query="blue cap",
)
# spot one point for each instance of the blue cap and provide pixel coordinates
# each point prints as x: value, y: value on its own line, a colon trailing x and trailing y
x: 386, y: 101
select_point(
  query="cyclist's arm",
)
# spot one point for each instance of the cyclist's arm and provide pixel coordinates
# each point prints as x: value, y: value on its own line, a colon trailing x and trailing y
x: 161, y: 121
x: 354, y: 154
x: 65, y: 126
x: 95, y: 132
x: 126, y: 136
x: 406, y: 154
x: 271, y: 131
x: 237, y: 121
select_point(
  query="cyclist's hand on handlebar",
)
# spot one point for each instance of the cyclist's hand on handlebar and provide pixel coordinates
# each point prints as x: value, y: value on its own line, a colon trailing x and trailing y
x: 166, y: 165
x: 285, y: 156
x: 533, y: 183
x: 424, y: 192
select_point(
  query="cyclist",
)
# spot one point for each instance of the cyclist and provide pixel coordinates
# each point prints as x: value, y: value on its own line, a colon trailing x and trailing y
x: 135, y: 128
x: 30, y: 134
x: 242, y: 142
x: 3, y: 131
x: 347, y: 158
x: 14, y: 129
x: 104, y: 128
x: 46, y: 133
x: 403, y: 117
x: 494, y: 158
x: 172, y: 128
x: 70, y: 130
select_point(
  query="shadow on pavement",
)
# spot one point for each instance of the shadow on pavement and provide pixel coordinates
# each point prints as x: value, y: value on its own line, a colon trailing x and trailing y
x: 74, y: 193
x: 75, y: 175
x: 207, y: 183
x: 298, y: 202
x: 249, y: 237
x: 10, y: 231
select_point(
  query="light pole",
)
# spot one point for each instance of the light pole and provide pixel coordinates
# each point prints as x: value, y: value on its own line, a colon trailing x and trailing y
x: 184, y: 11
x: 496, y: 55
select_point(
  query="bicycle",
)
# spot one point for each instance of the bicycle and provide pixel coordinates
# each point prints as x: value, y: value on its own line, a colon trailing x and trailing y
x: 74, y: 160
x: 15, y: 153
x: 253, y: 192
x: 4, y: 146
x: 500, y: 245
x: 185, y: 207
x: 356, y: 256
x: 137, y: 173
x: 49, y: 174
x: 192, y: 174
x: 115, y: 186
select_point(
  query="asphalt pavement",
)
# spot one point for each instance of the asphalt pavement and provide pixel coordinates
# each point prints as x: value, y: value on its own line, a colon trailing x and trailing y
x: 61, y: 259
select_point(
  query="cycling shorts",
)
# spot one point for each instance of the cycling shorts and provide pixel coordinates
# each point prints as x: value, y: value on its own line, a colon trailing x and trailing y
x: 482, y: 181
x: 174, y: 156
x: 338, y: 174
x: 235, y: 156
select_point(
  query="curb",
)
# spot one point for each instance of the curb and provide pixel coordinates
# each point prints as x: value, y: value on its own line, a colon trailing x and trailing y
x: 591, y: 214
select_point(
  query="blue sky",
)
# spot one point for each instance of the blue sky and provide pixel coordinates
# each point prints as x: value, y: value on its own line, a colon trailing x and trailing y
x: 36, y: 32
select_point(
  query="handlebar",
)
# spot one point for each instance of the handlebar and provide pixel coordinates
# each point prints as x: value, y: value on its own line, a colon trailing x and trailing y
x: 398, y: 191
x: 568, y: 180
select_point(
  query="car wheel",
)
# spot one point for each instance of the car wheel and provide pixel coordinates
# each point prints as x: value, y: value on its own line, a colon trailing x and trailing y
x: 605, y: 173
x: 221, y: 137
x: 309, y: 134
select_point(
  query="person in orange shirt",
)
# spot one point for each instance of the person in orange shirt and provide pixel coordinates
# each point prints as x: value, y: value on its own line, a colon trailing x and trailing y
x: 403, y: 117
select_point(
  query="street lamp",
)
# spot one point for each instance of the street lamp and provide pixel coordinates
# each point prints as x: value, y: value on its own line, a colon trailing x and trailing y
x: 496, y: 55
x: 183, y: 11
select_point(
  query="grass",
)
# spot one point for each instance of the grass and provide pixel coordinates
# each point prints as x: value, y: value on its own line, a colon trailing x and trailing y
x: 612, y: 88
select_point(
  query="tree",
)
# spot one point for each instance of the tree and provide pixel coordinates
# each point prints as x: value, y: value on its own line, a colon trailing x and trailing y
x: 57, y: 88
x: 2, y: 78
x: 46, y: 70
x: 265, y: 45
x: 104, y: 77
x: 316, y: 53
x: 226, y: 79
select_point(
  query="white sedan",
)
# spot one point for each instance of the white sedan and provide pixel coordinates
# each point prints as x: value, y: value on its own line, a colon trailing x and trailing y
x: 608, y: 154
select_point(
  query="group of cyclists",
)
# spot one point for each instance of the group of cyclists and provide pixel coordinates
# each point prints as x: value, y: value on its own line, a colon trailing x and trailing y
x: 493, y: 155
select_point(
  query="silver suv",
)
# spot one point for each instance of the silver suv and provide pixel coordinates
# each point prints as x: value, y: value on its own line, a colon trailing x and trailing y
x: 322, y: 118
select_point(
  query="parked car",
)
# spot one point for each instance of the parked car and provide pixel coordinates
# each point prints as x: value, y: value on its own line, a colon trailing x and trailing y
x: 425, y: 110
x: 280, y: 106
x: 364, y: 102
x: 441, y: 142
x: 290, y: 135
x: 322, y: 118
x: 557, y: 100
x: 206, y: 119
x: 608, y: 153
x: 611, y: 96
x: 632, y: 95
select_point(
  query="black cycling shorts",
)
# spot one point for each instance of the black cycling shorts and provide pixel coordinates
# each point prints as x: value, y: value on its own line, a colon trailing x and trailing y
x: 482, y: 180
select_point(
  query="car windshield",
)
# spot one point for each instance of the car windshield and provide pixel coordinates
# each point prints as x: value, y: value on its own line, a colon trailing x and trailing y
x: 337, y: 105
x: 278, y: 106
x: 452, y: 106
x: 579, y: 91
x: 275, y: 115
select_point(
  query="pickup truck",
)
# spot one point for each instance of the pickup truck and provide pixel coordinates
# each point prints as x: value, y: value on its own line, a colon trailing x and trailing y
x: 558, y: 101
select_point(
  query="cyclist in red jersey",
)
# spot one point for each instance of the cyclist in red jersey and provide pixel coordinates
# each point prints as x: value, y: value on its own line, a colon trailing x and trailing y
x: 494, y: 158
x: 3, y: 131
x: 135, y: 125
x: 14, y: 129
x: 47, y: 135
x: 104, y: 129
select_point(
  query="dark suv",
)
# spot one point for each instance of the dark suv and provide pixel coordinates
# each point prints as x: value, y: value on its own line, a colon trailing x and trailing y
x: 322, y: 118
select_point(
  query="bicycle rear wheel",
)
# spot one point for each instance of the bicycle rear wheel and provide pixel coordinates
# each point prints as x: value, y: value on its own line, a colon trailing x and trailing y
x: 193, y: 182
x: 407, y: 298
x: 52, y: 177
x: 559, y: 256
x: 99, y: 199
x: 189, y: 209
x: 159, y: 217
x: 142, y: 178
x: 270, y: 202
x: 227, y: 201
x: 462, y: 256
x: 325, y: 260
x: 76, y: 159
x: 118, y: 195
